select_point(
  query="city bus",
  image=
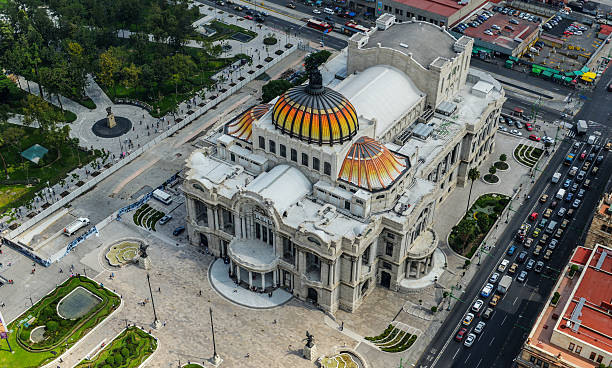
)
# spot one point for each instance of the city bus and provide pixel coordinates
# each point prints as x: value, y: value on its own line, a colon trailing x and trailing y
x: 351, y: 28
x: 319, y: 25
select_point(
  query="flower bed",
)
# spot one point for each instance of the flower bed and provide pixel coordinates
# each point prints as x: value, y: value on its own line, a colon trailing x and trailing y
x: 128, y: 350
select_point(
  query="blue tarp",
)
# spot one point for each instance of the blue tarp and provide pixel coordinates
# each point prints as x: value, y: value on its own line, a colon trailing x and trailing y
x: 34, y: 153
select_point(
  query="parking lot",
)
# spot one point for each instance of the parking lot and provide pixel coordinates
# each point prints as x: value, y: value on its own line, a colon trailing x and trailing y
x: 577, y: 42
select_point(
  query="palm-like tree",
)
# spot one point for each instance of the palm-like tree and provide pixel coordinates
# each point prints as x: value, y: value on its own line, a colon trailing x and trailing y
x: 473, y: 175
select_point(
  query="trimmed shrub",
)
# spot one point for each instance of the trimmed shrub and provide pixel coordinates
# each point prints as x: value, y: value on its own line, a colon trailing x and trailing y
x: 52, y: 326
x: 270, y: 41
x: 125, y: 352
x: 110, y: 360
x: 118, y: 359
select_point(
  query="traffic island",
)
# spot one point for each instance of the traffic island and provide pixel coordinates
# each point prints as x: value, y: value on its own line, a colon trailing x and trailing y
x: 67, y: 314
x: 527, y: 155
x: 130, y: 349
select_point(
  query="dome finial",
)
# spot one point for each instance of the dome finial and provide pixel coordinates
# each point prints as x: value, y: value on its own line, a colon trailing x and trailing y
x: 315, y: 82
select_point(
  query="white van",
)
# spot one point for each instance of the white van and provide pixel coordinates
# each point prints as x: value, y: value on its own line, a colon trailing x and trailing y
x: 328, y: 11
x: 162, y: 196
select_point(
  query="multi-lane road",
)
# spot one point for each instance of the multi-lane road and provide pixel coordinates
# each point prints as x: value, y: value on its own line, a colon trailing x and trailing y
x: 513, y: 317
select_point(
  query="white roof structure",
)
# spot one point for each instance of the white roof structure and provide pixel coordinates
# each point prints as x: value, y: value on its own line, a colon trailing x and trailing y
x: 284, y: 185
x: 380, y: 92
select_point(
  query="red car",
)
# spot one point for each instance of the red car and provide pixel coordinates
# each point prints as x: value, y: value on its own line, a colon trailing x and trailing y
x: 534, y: 137
x: 460, y: 334
x: 583, y: 155
x: 248, y: 17
x: 533, y: 216
x: 529, y: 127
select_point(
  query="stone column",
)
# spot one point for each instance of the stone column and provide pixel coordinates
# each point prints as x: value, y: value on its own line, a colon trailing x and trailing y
x: 263, y: 280
x: 250, y: 279
x: 238, y: 273
x: 408, y: 269
x: 274, y: 278
x: 418, y: 269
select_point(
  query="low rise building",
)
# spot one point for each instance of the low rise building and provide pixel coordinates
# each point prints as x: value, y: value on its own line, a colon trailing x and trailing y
x: 438, y: 12
x: 332, y: 188
x: 574, y: 329
x: 600, y: 231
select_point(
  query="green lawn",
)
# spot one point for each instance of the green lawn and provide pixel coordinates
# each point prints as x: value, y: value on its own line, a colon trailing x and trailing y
x: 128, y: 350
x: 52, y: 168
x: 65, y: 332
x: 192, y: 365
x: 465, y: 237
x: 226, y: 31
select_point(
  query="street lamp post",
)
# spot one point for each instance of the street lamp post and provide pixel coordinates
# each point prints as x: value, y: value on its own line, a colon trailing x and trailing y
x: 155, y: 321
x: 216, y: 359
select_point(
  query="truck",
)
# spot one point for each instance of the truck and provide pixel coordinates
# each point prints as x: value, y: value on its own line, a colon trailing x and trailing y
x: 504, y: 284
x: 591, y: 140
x: 569, y: 158
x: 162, y: 196
x: 75, y: 226
x: 560, y: 194
x: 581, y: 127
x: 556, y: 177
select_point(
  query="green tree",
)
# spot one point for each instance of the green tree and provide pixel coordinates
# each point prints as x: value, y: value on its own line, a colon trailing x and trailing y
x: 78, y: 67
x: 492, y: 170
x: 473, y: 175
x: 111, y: 63
x: 179, y: 67
x: 316, y: 59
x: 2, y: 143
x: 51, y: 326
x: 483, y: 220
x: 503, y: 157
x: 274, y: 88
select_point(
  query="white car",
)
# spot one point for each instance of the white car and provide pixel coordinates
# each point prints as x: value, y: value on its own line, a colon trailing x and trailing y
x: 468, y: 319
x: 469, y: 340
x: 479, y: 327
x: 503, y: 265
x: 496, y: 27
x: 316, y: 11
x: 487, y: 290
x: 477, y: 305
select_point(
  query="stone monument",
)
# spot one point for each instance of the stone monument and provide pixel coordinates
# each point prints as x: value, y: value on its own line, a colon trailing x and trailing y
x: 144, y: 260
x: 110, y: 118
x: 310, y: 349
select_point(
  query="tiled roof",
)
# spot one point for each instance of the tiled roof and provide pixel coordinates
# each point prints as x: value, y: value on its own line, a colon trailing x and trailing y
x: 242, y: 127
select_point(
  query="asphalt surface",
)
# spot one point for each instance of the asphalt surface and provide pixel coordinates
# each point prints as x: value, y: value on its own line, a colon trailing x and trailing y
x: 302, y: 31
x: 513, y: 317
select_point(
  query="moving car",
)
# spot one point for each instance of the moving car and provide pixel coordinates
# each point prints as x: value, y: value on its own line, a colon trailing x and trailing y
x: 487, y: 290
x: 479, y: 327
x: 539, y: 266
x: 495, y: 300
x: 460, y: 334
x: 503, y: 265
x: 494, y: 278
x: 468, y: 319
x: 469, y: 341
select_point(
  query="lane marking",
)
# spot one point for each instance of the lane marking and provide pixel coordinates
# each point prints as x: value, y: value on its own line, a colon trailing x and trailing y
x: 515, y: 299
x: 457, y: 352
x: 493, y: 339
x: 480, y: 361
x: 506, y: 316
x: 468, y: 357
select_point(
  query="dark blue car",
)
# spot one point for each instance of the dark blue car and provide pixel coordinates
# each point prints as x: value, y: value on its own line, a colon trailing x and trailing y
x: 178, y: 231
x: 511, y: 250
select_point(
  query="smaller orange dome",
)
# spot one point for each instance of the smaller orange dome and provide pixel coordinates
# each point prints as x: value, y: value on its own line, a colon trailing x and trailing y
x: 372, y: 166
x: 241, y: 127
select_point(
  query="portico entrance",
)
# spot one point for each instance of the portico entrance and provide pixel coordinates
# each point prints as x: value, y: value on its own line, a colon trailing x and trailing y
x: 385, y: 279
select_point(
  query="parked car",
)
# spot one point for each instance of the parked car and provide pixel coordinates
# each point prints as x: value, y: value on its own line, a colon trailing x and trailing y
x: 534, y: 137
x: 503, y: 265
x: 528, y: 243
x: 487, y: 290
x: 521, y: 257
x: 553, y: 244
x: 547, y: 213
x: 522, y: 276
x: 477, y: 306
x: 487, y: 313
x: 178, y: 231
x: 539, y: 266
x: 574, y: 187
x: 533, y: 216
x: 576, y: 203
x: 165, y: 219
x: 479, y: 327
x: 544, y: 198
x: 511, y: 250
x: 469, y: 340
x: 529, y: 265
x: 561, y: 212
x: 513, y: 268
x: 495, y: 300
x: 580, y: 193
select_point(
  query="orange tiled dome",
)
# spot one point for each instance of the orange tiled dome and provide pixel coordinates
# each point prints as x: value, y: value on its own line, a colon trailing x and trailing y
x: 370, y: 165
x: 316, y: 114
x: 241, y: 128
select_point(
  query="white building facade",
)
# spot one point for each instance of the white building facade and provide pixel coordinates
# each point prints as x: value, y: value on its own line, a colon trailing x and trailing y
x: 332, y: 188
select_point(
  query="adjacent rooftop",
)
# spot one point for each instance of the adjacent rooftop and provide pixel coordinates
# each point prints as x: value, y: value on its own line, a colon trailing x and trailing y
x: 424, y: 40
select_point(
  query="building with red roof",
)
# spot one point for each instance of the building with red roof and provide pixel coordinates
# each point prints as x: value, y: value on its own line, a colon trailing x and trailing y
x: 439, y: 12
x: 575, y: 328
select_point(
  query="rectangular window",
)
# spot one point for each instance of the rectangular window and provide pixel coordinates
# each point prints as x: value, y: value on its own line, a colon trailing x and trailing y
x: 283, y: 150
x: 592, y: 356
x: 270, y: 237
x: 257, y: 231
x: 571, y: 346
x: 316, y: 163
x: 293, y: 155
x: 578, y: 349
x: 262, y: 143
x: 304, y: 159
x: 232, y: 157
x: 365, y: 257
x: 599, y: 358
x: 532, y: 359
x: 288, y: 250
x: 272, y: 146
x: 389, y: 249
x: 264, y: 234
x: 327, y: 168
x: 347, y: 205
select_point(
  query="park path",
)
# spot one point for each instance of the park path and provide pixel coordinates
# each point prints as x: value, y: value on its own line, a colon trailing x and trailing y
x: 67, y: 103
